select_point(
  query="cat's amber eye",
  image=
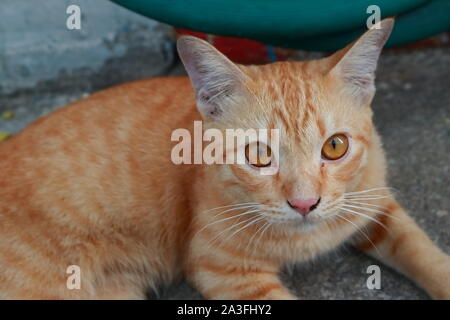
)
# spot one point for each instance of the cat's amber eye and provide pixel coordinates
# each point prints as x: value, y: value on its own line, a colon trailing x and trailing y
x: 258, y: 154
x: 335, y: 147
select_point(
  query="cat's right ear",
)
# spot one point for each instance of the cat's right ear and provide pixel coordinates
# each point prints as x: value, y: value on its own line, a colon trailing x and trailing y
x: 358, y: 61
x: 217, y: 81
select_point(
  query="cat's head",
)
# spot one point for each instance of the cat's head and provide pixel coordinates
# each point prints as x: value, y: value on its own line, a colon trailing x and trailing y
x: 321, y: 108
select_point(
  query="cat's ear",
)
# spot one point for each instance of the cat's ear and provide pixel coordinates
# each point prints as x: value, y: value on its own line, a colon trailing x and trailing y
x: 217, y: 81
x: 358, y: 61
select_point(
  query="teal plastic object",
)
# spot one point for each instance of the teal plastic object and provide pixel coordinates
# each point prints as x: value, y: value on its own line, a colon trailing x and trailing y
x: 292, y: 23
x: 421, y: 23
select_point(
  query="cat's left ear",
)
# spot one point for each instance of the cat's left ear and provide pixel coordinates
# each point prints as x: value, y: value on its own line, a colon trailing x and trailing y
x: 217, y: 81
x: 358, y: 61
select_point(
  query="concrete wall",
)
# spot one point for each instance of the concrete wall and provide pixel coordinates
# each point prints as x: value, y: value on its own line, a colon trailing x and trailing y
x: 36, y: 46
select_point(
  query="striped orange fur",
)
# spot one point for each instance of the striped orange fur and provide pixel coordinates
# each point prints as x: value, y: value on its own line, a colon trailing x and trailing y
x: 93, y: 184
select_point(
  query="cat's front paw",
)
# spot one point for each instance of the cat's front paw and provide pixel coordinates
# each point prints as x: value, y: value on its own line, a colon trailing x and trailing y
x: 442, y: 293
x: 441, y: 288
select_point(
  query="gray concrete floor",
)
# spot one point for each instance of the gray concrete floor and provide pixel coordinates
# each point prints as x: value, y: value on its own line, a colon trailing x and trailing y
x: 412, y: 113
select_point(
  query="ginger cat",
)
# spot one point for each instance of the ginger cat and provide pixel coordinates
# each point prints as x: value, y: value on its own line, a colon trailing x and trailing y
x: 93, y: 184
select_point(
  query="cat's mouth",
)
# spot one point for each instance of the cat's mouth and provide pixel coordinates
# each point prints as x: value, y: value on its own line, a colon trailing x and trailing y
x: 286, y: 215
x: 296, y: 221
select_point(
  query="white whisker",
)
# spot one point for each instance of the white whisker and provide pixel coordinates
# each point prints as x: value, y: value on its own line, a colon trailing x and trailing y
x: 369, y: 190
x: 370, y: 210
x: 231, y: 205
x: 368, y: 197
x: 366, y: 204
x: 262, y: 233
x: 232, y: 227
x: 254, y: 235
x: 258, y: 218
x: 234, y: 209
x: 332, y: 204
x: 225, y: 219
x: 359, y: 230
x: 366, y: 216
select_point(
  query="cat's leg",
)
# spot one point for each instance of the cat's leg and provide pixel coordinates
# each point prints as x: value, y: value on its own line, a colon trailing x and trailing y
x: 110, y: 292
x: 120, y: 293
x: 401, y: 244
x: 116, y: 287
x: 219, y: 280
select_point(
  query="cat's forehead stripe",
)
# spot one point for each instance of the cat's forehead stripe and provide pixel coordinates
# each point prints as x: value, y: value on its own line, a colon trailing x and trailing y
x: 288, y: 92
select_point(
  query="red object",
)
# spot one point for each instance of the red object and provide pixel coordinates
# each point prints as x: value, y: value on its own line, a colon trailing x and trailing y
x: 247, y: 51
x: 240, y: 50
x: 440, y: 40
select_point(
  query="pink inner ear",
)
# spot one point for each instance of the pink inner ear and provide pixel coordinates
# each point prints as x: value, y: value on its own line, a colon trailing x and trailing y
x: 364, y: 81
x: 214, y: 78
x: 357, y: 65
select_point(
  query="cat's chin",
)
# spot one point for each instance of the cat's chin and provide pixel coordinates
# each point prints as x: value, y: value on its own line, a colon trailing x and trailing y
x: 306, y: 226
x: 300, y: 225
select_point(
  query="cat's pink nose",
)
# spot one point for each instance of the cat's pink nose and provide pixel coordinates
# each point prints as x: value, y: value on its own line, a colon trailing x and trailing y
x: 304, y: 206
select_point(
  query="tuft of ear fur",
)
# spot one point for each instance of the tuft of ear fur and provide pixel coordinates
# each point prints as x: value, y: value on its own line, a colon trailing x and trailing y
x: 216, y: 80
x: 358, y: 61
